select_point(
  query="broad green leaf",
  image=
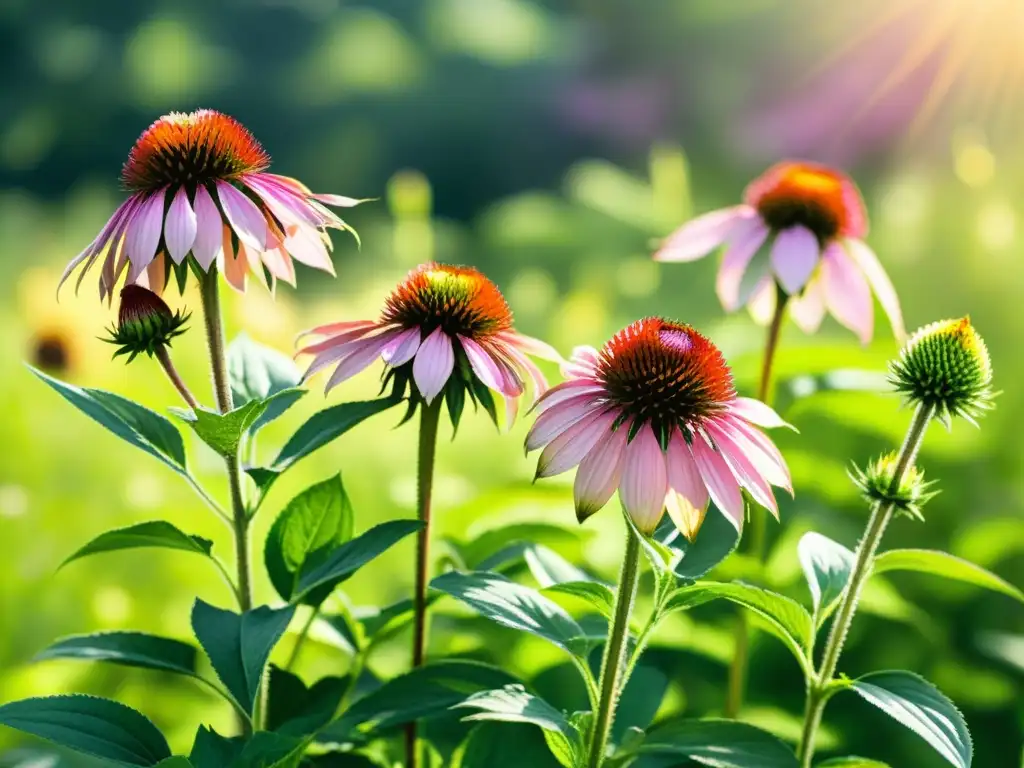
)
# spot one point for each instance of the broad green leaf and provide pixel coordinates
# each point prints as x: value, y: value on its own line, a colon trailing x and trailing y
x: 136, y: 424
x: 943, y: 564
x: 295, y: 710
x: 513, y: 605
x: 718, y: 744
x: 129, y: 649
x: 827, y: 565
x: 157, y: 533
x: 786, y: 618
x: 716, y: 540
x: 222, y: 432
x: 341, y: 760
x: 31, y: 758
x: 239, y: 644
x: 211, y: 750
x: 478, y: 551
x: 504, y: 745
x: 918, y: 705
x: 341, y: 562
x: 548, y: 567
x: 325, y: 426
x: 263, y: 750
x: 598, y: 595
x: 641, y: 698
x: 316, y: 521
x: 513, y: 704
x: 90, y: 725
x: 257, y: 372
x: 422, y: 693
x: 852, y: 762
x: 177, y: 761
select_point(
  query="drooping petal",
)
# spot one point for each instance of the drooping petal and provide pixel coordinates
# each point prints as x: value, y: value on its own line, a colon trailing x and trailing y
x: 209, y: 240
x: 402, y: 347
x: 307, y: 247
x: 880, y: 283
x: 566, y: 390
x: 757, y: 412
x: 340, y: 201
x: 433, y: 364
x: 554, y: 421
x: 180, y: 226
x: 644, y: 480
x: 847, y: 294
x: 697, y: 238
x: 808, y: 309
x: 568, y: 449
x: 244, y: 216
x: 156, y: 274
x: 531, y: 346
x: 762, y: 452
x: 687, y: 499
x: 523, y: 364
x: 746, y: 242
x: 114, y: 223
x: 743, y: 469
x: 279, y: 264
x: 722, y: 486
x: 486, y: 368
x: 233, y: 265
x: 795, y: 254
x: 143, y: 234
x: 763, y: 300
x: 599, y: 473
x: 290, y: 208
x: 336, y: 349
x: 360, y: 356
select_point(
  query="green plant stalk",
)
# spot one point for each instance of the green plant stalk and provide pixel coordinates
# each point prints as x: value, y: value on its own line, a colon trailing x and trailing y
x: 758, y: 519
x: 821, y: 688
x: 164, y: 358
x: 430, y: 414
x: 214, y: 323
x: 300, y: 641
x: 614, y: 661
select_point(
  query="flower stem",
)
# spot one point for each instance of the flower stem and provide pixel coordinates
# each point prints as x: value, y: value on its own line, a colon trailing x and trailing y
x: 818, y: 690
x: 758, y: 518
x: 164, y: 358
x: 615, y: 650
x: 430, y: 413
x: 222, y: 391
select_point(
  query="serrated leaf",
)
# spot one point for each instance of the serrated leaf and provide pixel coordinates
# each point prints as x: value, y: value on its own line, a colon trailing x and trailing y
x: 263, y: 749
x: 312, y: 524
x: 513, y: 605
x: 133, y: 423
x: 157, y: 533
x: 223, y: 432
x: 343, y: 561
x: 239, y: 645
x: 918, y: 705
x: 90, y: 725
x: 295, y: 710
x: 597, y: 595
x: 257, y: 372
x: 548, y: 567
x: 826, y: 565
x: 718, y: 744
x: 946, y: 565
x: 130, y: 649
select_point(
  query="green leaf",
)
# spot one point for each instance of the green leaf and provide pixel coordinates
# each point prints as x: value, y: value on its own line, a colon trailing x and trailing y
x: 129, y: 649
x: 852, y: 762
x: 786, y: 618
x: 716, y: 540
x: 295, y: 710
x: 479, y: 551
x: 513, y: 704
x: 504, y: 745
x: 943, y: 564
x: 316, y: 521
x: 641, y: 698
x: 263, y: 750
x: 422, y: 693
x: 257, y: 372
x: 90, y: 725
x: 598, y: 595
x: 918, y: 705
x: 548, y: 567
x: 239, y: 644
x: 719, y: 744
x: 341, y: 562
x: 827, y: 565
x: 223, y: 432
x: 211, y: 750
x: 136, y: 424
x: 157, y: 533
x: 513, y: 605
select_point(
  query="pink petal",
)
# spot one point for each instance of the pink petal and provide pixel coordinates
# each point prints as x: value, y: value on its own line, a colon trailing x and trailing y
x: 847, y: 294
x: 523, y: 364
x: 872, y: 268
x: 697, y: 238
x: 433, y: 364
x: 763, y: 300
x: 644, y: 480
x: 795, y: 254
x: 808, y: 309
x: 340, y: 347
x: 687, y: 499
x: 718, y: 478
x: 484, y: 366
x: 234, y: 266
x: 599, y: 473
x: 556, y: 420
x: 251, y: 258
x: 143, y: 234
x: 531, y: 346
x: 568, y: 449
x: 288, y: 207
x: 155, y: 276
x: 306, y: 246
x: 180, y: 226
x: 245, y: 218
x: 360, y: 356
x: 209, y: 239
x: 743, y: 469
x: 96, y: 246
x: 763, y: 453
x: 402, y: 347
x: 340, y: 201
x: 512, y: 381
x: 566, y: 390
x: 357, y: 331
x: 757, y: 412
x: 744, y: 244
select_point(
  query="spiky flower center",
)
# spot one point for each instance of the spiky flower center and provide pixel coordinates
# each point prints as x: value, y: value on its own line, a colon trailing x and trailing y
x: 665, y: 374
x: 190, y: 149
x: 821, y: 199
x: 459, y: 300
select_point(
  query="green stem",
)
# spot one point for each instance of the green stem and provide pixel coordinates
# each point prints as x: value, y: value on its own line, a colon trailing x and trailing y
x: 293, y: 658
x: 818, y: 689
x: 615, y: 650
x: 758, y: 518
x: 429, y: 417
x: 164, y: 358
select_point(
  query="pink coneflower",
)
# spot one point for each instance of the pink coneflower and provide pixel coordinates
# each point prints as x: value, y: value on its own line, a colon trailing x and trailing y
x: 439, y: 320
x: 198, y: 184
x: 809, y: 222
x: 654, y: 414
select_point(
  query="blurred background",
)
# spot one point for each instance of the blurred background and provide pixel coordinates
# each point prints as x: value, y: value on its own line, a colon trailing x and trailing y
x: 550, y: 143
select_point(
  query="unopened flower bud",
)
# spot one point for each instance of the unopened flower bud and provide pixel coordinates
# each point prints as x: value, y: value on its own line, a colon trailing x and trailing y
x: 876, y: 484
x: 144, y: 323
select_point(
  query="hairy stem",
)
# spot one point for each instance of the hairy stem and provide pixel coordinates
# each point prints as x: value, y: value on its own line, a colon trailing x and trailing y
x: 164, y: 358
x: 881, y: 514
x: 614, y: 661
x: 429, y: 416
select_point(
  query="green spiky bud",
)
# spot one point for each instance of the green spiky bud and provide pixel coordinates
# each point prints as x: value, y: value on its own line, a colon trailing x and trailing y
x: 945, y: 366
x: 876, y: 485
x: 144, y: 323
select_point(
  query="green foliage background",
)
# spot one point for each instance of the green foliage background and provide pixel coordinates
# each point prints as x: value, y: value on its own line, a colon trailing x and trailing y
x: 548, y: 143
